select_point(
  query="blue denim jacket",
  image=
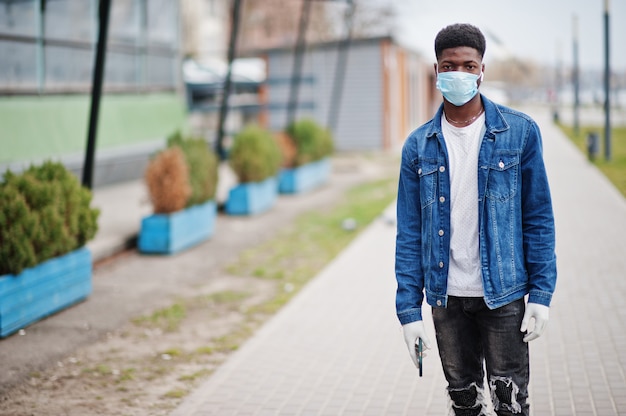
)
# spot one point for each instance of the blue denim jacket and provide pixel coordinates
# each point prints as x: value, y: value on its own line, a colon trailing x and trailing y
x: 516, y: 223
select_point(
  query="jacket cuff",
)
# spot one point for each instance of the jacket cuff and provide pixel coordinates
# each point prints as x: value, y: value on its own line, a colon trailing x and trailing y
x: 410, y: 315
x: 541, y: 298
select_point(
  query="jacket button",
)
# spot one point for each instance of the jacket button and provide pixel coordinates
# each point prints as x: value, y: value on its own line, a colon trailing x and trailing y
x: 442, y: 199
x: 439, y: 303
x: 441, y: 265
x: 440, y: 233
x: 419, y: 171
x: 501, y: 165
x: 442, y: 168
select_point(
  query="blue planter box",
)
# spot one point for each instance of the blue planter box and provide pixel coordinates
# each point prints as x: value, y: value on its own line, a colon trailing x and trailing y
x: 305, y: 177
x: 171, y: 233
x: 43, y: 290
x: 253, y: 197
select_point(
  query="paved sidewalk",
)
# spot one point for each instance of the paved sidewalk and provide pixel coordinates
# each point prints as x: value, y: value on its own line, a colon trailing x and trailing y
x: 337, y: 349
x: 334, y: 349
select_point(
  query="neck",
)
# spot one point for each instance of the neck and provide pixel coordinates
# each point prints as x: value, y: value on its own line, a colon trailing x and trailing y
x: 464, y: 115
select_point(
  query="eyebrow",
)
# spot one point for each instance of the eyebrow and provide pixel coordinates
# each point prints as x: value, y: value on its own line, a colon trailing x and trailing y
x: 471, y: 61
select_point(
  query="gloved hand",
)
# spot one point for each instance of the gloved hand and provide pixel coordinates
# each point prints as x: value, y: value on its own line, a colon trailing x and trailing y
x: 412, y: 332
x: 540, y: 313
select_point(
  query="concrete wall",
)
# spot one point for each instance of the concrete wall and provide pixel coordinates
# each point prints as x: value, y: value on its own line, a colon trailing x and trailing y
x: 130, y: 129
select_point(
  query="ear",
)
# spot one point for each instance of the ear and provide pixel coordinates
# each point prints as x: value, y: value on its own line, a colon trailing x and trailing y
x: 482, y: 75
x: 435, y: 67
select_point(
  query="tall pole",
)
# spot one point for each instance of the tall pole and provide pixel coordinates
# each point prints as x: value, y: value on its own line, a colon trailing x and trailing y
x: 40, y: 13
x: 575, y: 77
x: 96, y: 91
x: 234, y: 29
x: 607, y: 86
x: 340, y: 70
x: 557, y: 83
x: 297, y: 62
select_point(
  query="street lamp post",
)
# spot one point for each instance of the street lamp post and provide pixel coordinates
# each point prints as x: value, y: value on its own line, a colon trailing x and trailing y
x: 575, y: 75
x: 607, y: 86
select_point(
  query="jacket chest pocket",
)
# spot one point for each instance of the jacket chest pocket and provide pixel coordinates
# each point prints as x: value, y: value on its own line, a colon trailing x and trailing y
x: 427, y: 172
x: 503, y: 176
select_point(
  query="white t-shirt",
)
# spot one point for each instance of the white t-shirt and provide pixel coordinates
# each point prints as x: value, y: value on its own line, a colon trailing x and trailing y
x: 463, y: 144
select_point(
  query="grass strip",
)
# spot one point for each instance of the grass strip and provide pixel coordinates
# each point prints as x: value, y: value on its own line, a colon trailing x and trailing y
x: 614, y: 169
x: 297, y: 254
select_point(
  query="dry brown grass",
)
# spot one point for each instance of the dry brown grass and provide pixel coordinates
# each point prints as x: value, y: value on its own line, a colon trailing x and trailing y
x: 287, y: 147
x: 167, y: 178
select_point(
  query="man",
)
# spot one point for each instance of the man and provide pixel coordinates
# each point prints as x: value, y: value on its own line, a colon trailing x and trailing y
x: 476, y: 234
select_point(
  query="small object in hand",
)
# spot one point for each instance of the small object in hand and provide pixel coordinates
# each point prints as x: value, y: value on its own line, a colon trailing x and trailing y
x: 419, y: 348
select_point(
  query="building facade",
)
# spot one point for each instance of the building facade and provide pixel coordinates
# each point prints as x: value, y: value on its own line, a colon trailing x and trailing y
x: 384, y: 93
x: 46, y: 72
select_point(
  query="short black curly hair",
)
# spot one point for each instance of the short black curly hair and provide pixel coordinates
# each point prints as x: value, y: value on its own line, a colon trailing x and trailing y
x: 460, y: 34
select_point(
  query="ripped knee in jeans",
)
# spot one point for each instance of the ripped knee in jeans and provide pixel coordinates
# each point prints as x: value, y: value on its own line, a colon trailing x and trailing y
x: 504, y: 394
x: 467, y: 401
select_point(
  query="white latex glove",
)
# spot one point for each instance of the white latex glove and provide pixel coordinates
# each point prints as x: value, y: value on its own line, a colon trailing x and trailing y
x: 413, y: 331
x: 540, y: 314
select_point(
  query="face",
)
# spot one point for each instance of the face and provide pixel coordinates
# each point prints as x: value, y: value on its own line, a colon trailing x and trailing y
x: 462, y: 58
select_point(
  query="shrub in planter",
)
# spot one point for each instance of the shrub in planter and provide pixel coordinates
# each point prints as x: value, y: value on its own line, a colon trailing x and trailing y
x: 310, y: 166
x: 45, y: 221
x: 182, y: 181
x: 167, y: 178
x: 44, y: 213
x: 255, y: 158
x: 255, y: 155
x: 312, y: 141
x: 202, y: 164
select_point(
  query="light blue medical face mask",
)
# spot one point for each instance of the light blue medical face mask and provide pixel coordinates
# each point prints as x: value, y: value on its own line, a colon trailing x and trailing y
x: 458, y: 87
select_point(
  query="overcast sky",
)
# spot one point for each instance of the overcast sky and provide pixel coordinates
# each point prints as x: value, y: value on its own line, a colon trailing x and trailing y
x: 539, y: 30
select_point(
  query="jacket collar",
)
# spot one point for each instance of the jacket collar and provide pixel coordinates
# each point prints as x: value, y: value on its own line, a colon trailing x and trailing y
x: 494, y: 120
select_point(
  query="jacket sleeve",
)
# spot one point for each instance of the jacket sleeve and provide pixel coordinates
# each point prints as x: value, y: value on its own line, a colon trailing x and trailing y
x: 537, y: 221
x: 408, y: 268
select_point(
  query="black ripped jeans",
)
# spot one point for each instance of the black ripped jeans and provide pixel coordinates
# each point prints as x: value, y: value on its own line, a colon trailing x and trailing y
x: 470, y: 334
